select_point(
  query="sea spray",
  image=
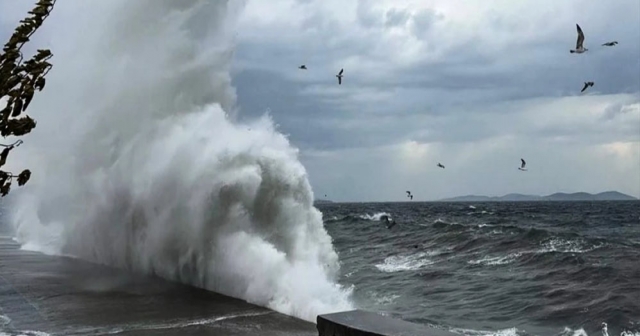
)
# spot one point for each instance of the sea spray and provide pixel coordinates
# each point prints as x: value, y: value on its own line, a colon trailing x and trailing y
x: 138, y: 163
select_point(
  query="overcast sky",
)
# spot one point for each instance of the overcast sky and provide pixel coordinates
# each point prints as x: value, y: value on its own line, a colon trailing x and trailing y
x: 473, y: 84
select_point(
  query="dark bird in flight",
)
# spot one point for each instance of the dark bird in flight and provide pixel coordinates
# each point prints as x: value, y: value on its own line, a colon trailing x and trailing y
x: 586, y: 85
x: 522, y: 165
x: 303, y: 67
x: 339, y: 75
x: 610, y: 44
x: 440, y: 165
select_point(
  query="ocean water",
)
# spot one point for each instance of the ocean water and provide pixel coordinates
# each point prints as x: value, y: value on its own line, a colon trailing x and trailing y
x: 539, y: 268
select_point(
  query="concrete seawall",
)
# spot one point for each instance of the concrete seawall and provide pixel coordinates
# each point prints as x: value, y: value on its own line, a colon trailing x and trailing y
x: 50, y: 295
x: 42, y: 295
x: 363, y: 323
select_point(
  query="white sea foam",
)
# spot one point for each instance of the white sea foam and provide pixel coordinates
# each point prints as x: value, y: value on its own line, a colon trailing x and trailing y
x: 497, y: 260
x: 375, y: 216
x: 400, y: 263
x: 138, y: 163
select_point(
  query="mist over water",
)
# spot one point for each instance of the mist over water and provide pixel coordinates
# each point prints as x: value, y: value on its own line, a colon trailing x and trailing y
x: 138, y: 163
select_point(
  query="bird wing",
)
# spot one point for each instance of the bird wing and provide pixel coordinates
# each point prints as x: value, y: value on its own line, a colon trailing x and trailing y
x: 341, y: 71
x: 580, y: 37
x: 339, y: 80
x: 523, y: 163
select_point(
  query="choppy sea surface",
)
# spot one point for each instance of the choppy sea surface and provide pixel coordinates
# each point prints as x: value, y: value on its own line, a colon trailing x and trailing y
x: 518, y: 268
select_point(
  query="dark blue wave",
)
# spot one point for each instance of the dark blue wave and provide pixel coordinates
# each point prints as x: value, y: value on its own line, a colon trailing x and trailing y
x: 539, y: 267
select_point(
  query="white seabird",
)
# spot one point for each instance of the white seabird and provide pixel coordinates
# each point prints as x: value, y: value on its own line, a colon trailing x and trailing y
x: 339, y: 75
x: 604, y: 329
x: 579, y: 47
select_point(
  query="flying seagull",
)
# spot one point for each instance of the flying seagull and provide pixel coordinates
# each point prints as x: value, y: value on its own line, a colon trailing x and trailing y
x: 440, y: 165
x: 409, y: 194
x: 522, y: 165
x: 579, y: 48
x: 339, y: 75
x: 586, y: 85
x: 303, y: 67
x: 610, y: 44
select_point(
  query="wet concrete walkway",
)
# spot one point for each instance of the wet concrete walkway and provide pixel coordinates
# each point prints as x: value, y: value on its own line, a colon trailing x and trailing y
x: 46, y: 295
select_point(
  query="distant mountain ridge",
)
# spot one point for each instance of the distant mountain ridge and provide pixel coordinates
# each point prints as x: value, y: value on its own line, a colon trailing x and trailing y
x: 578, y: 196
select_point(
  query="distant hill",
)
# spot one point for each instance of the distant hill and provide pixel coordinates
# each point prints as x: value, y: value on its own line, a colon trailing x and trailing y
x: 579, y: 196
x: 322, y: 201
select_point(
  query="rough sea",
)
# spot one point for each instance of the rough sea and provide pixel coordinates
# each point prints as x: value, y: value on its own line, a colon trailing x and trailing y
x: 520, y: 268
x: 163, y: 173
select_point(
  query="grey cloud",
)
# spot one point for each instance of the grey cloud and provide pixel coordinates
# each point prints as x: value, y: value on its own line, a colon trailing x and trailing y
x: 315, y: 123
x: 372, y: 18
x: 304, y: 118
x: 311, y: 122
x: 470, y: 73
x: 545, y: 65
x: 423, y: 21
x: 485, y: 167
x: 368, y: 17
x: 443, y: 96
x: 396, y: 17
x: 464, y: 104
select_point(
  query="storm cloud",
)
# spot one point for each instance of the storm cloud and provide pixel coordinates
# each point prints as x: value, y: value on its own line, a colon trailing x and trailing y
x: 475, y: 85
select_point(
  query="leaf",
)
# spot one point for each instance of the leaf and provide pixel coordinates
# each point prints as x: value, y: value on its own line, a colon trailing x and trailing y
x: 21, y: 126
x: 40, y: 82
x: 27, y: 98
x: 42, y: 54
x: 24, y: 177
x: 13, y: 81
x: 17, y: 108
x: 40, y: 10
x: 3, y: 155
x: 5, y: 113
x: 4, y: 190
